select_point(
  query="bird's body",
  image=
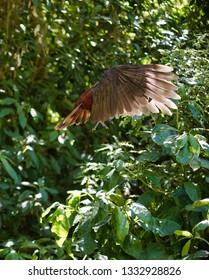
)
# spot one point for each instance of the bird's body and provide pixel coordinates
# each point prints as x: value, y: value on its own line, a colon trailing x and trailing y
x: 126, y: 90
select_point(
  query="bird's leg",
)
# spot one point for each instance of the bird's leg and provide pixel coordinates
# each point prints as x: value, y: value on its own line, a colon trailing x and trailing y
x: 102, y: 123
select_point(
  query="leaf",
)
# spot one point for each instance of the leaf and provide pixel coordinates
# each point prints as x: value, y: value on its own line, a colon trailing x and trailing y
x: 155, y: 251
x: 194, y: 145
x: 13, y: 255
x: 60, y: 226
x: 22, y: 118
x: 117, y: 198
x: 152, y: 177
x: 146, y: 198
x: 4, y: 112
x: 8, y: 101
x: 201, y: 226
x: 53, y: 136
x: 10, y: 170
x: 195, y: 112
x: 24, y: 195
x: 185, y: 249
x: 161, y: 132
x: 87, y: 244
x: 150, y: 156
x: 167, y: 227
x: 34, y: 158
x: 203, y: 143
x: 144, y: 217
x: 181, y: 140
x: 120, y: 225
x: 204, y: 163
x: 193, y: 191
x: 184, y: 156
x: 202, y: 202
x: 200, y: 254
x: 133, y: 246
x: 74, y: 199
x: 184, y: 233
x: 195, y: 163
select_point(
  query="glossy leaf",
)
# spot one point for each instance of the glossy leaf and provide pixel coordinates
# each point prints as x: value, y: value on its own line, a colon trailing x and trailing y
x: 201, y: 226
x: 185, y: 250
x: 184, y: 156
x: 184, y: 233
x: 193, y: 191
x: 162, y: 132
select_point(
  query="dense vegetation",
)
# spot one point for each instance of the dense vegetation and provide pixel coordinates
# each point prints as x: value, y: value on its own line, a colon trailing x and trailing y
x: 137, y: 190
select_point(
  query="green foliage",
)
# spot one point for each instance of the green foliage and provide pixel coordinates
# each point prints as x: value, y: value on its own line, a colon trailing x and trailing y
x: 137, y: 190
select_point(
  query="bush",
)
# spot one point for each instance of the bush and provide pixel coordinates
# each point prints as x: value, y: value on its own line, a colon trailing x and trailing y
x: 137, y: 190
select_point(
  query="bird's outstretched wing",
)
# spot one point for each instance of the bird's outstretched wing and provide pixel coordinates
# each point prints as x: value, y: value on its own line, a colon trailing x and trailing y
x: 134, y: 90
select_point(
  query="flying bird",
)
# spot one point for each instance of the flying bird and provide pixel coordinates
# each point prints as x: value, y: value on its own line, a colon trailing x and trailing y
x: 126, y: 90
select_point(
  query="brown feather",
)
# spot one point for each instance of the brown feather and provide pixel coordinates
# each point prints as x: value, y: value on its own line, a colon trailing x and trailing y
x: 126, y: 90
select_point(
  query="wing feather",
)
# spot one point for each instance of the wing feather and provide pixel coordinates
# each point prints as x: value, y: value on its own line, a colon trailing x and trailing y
x: 134, y: 89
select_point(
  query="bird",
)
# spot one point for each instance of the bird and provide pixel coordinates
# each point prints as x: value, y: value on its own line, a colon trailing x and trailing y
x: 126, y: 90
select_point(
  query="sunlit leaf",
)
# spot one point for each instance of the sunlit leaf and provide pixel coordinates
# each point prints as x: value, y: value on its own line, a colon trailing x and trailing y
x: 186, y: 248
x: 201, y: 226
x: 194, y: 145
x: 184, y: 156
x: 202, y: 202
x: 162, y: 132
x: 184, y: 233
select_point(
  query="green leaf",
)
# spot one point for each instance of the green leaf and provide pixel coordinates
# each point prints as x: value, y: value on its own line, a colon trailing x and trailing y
x: 53, y: 135
x: 162, y: 132
x: 204, y: 163
x: 87, y: 244
x: 4, y: 112
x: 146, y: 198
x: 60, y: 226
x: 200, y: 254
x: 193, y: 191
x: 202, y: 202
x: 195, y: 112
x: 184, y: 233
x: 201, y: 226
x: 10, y: 170
x: 203, y: 143
x: 155, y: 251
x: 150, y: 156
x: 184, y: 156
x: 194, y: 145
x: 152, y: 177
x: 13, y: 255
x: 181, y: 140
x: 22, y: 118
x: 144, y: 217
x: 185, y: 250
x: 74, y: 199
x: 117, y: 198
x: 24, y: 195
x: 120, y: 225
x: 34, y: 158
x: 133, y: 246
x: 8, y: 101
x: 167, y: 227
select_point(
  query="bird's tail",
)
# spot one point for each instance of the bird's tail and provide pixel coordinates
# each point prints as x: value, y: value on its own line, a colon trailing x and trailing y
x: 77, y: 116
